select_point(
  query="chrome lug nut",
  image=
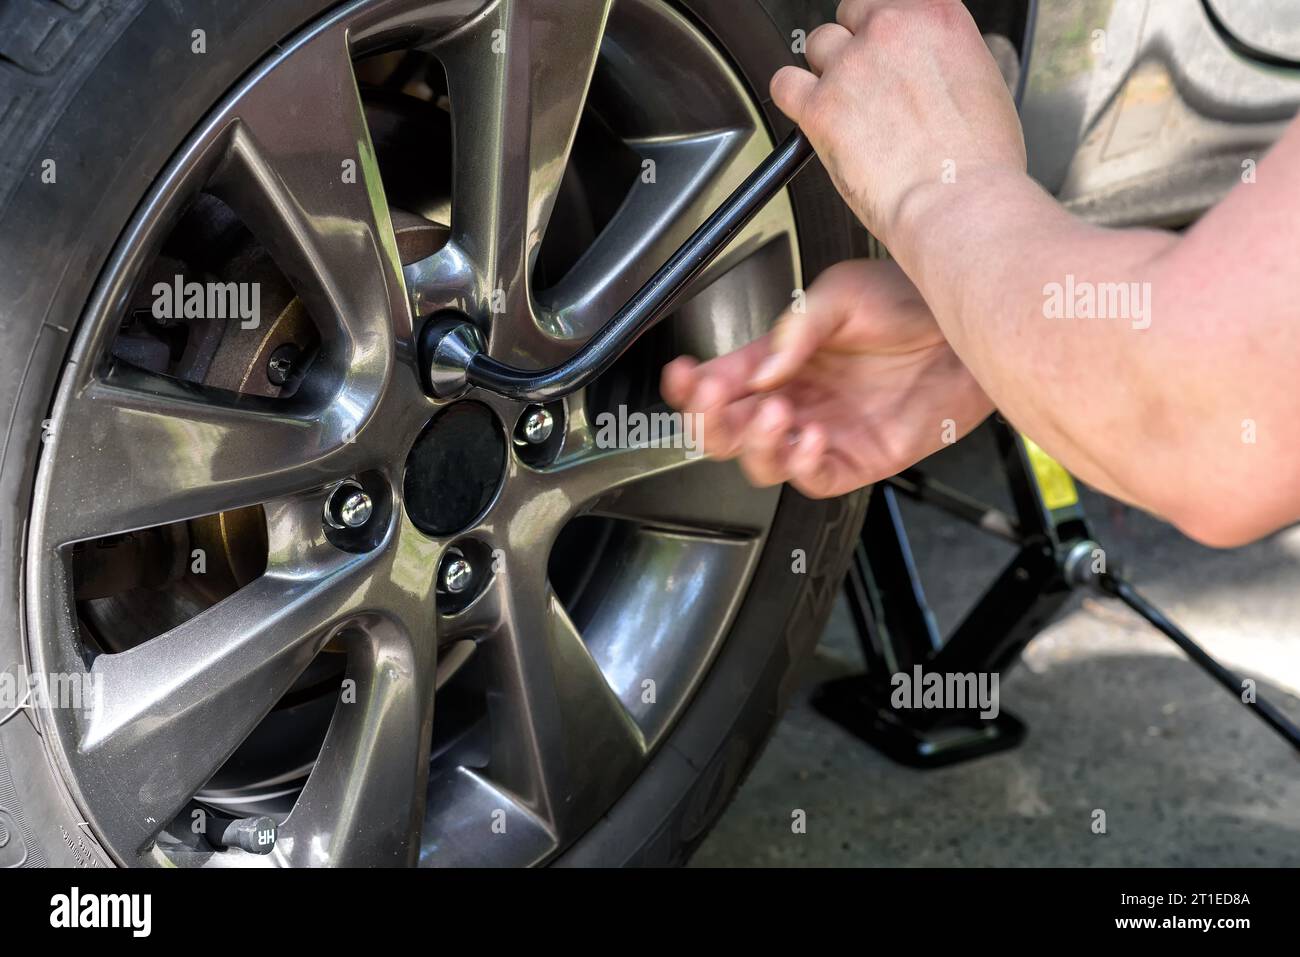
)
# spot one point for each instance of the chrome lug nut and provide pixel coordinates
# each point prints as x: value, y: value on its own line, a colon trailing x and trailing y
x: 349, y: 506
x: 536, y: 424
x: 457, y: 574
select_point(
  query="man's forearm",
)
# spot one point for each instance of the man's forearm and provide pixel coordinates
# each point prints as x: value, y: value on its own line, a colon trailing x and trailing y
x: 1159, y: 368
x: 1025, y: 294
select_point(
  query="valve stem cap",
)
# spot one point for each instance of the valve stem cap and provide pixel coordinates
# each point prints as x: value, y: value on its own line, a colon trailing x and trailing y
x: 253, y: 834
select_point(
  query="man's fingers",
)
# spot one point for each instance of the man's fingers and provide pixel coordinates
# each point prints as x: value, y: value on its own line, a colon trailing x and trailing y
x: 852, y: 14
x: 686, y: 385
x: 724, y: 379
x: 794, y: 340
x: 824, y: 44
x: 767, y: 442
x: 724, y: 428
x: 807, y: 458
x: 776, y: 449
x: 791, y: 87
x: 677, y: 381
x: 775, y: 359
x: 814, y: 469
x: 827, y: 306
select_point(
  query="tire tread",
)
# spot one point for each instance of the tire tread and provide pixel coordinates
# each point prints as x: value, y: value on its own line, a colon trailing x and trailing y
x: 43, y: 45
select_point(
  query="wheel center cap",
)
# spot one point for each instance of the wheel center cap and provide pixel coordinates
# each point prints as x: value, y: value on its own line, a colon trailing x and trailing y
x: 454, y: 469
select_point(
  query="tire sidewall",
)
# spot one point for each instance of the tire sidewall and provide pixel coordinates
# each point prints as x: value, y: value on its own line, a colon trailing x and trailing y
x: 128, y: 91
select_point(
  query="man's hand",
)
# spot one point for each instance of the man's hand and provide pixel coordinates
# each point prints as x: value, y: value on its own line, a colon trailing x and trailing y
x: 1177, y: 412
x: 856, y: 387
x: 862, y: 384
x: 904, y: 101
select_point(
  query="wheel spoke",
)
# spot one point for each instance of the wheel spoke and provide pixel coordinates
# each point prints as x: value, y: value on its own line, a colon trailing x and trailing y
x: 709, y: 497
x: 146, y: 450
x: 174, y: 709
x: 363, y: 804
x: 594, y: 467
x: 518, y: 79
x: 301, y: 173
x: 468, y: 813
x: 562, y: 742
x: 634, y: 641
x: 693, y: 174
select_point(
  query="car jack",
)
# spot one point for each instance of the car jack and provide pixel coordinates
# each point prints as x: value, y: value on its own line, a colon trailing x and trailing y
x: 1056, y: 554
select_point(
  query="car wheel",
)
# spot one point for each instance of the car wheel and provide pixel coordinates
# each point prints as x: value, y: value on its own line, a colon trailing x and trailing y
x: 252, y: 571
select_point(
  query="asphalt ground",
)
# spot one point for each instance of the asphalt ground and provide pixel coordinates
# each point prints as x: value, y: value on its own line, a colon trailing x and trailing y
x: 1119, y: 720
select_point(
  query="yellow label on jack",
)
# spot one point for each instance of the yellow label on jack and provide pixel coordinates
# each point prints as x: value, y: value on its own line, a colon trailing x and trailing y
x: 1054, y: 482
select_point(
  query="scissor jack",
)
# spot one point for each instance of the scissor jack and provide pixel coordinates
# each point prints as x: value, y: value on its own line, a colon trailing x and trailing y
x: 1056, y: 554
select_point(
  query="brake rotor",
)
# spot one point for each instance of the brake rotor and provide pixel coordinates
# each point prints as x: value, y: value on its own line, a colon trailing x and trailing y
x: 133, y: 587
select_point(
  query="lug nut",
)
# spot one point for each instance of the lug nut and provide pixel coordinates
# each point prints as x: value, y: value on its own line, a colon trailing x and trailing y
x: 349, y: 506
x: 536, y: 424
x: 457, y: 574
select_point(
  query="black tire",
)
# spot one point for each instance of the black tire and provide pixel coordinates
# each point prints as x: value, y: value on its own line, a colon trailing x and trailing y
x: 108, y: 89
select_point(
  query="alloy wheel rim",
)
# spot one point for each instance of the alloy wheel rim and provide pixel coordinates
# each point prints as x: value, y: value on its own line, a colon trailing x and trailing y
x: 569, y: 721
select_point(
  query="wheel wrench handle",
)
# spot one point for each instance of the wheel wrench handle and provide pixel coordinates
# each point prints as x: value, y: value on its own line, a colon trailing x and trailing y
x: 452, y: 353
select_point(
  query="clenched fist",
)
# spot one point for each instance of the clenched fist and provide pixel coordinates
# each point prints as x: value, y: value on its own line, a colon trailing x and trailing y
x: 904, y: 100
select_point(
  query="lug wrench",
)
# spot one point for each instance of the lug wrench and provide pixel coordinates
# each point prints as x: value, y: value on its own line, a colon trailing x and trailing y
x: 452, y: 353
